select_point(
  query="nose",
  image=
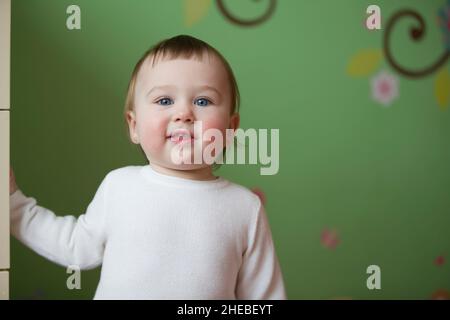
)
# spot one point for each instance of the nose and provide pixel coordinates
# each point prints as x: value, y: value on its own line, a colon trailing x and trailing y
x: 184, y: 114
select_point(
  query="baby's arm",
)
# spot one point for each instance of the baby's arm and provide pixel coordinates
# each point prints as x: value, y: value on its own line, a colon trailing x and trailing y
x: 260, y: 275
x: 65, y: 240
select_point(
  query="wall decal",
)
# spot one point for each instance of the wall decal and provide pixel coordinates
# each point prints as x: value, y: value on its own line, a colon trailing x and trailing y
x: 247, y: 22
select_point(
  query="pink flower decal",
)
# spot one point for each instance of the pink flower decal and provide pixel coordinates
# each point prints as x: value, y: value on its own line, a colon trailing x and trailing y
x: 439, y: 261
x: 384, y: 88
x: 260, y: 194
x: 441, y: 294
x: 329, y: 238
x: 444, y: 23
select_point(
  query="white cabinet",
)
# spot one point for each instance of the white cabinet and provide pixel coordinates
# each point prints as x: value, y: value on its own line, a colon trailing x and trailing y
x: 4, y: 190
x: 4, y: 285
x: 5, y: 36
x: 4, y: 204
x: 5, y: 49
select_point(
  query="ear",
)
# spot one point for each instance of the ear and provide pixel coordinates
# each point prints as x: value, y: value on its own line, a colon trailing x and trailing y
x: 234, y: 121
x: 131, y: 119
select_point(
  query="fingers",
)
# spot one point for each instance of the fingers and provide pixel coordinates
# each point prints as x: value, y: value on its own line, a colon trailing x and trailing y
x: 12, y: 182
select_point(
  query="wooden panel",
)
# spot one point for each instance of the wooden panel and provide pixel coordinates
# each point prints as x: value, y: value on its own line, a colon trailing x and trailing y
x: 4, y: 285
x: 5, y: 45
x: 4, y: 189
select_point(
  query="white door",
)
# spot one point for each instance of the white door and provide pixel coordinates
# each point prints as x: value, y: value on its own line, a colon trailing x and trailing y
x: 5, y: 31
x: 5, y: 35
x: 4, y: 190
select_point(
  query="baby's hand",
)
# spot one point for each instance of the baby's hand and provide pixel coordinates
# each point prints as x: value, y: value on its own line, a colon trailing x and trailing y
x: 12, y: 182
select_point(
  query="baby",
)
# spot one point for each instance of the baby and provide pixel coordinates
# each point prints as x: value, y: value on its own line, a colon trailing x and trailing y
x: 166, y: 230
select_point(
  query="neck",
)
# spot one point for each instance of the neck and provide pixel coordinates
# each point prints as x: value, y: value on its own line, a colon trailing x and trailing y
x: 194, y: 174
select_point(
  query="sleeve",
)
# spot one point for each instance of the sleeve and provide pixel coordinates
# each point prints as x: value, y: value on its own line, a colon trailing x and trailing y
x: 65, y: 240
x: 260, y: 275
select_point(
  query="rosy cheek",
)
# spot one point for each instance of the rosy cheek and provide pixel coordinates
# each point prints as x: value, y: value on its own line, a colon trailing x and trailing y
x: 219, y: 124
x: 152, y: 134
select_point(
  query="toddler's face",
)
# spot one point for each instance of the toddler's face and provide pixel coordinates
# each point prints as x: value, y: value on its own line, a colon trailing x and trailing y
x: 173, y: 94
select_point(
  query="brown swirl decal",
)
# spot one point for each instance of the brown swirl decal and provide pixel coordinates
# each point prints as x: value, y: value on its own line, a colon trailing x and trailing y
x: 416, y: 34
x: 247, y: 22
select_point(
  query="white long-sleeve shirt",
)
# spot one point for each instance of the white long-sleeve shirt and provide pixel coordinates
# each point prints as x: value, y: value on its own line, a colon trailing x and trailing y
x: 160, y: 237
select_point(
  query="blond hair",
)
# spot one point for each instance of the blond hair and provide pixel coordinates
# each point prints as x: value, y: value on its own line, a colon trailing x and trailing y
x: 182, y: 46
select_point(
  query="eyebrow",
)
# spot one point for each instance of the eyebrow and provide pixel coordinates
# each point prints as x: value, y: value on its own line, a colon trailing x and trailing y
x: 166, y: 87
x: 160, y: 88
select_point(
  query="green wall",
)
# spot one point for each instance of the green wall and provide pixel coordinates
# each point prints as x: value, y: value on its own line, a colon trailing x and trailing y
x: 377, y: 177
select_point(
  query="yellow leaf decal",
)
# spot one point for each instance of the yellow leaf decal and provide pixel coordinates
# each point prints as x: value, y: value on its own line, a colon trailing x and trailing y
x: 194, y: 10
x: 442, y: 88
x: 364, y: 62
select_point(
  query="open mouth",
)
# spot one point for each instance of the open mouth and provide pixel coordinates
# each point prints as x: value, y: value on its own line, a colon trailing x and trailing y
x: 181, y: 136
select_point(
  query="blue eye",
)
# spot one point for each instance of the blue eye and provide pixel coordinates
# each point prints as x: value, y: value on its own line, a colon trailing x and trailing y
x: 202, y: 102
x: 165, y: 101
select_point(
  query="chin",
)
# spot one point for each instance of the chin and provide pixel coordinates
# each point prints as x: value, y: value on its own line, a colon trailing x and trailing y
x: 189, y: 167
